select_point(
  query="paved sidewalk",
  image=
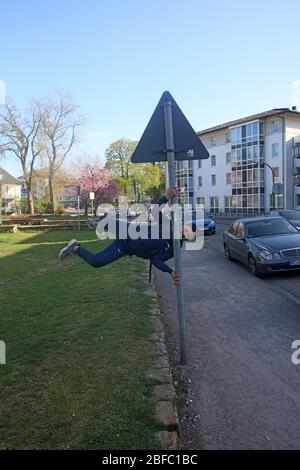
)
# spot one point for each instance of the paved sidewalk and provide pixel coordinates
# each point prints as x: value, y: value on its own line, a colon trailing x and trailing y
x: 245, y: 389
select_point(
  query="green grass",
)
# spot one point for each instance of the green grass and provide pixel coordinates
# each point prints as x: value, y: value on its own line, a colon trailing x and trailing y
x: 77, y: 348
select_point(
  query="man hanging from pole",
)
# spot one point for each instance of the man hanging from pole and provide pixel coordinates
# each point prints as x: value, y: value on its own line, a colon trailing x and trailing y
x: 157, y: 251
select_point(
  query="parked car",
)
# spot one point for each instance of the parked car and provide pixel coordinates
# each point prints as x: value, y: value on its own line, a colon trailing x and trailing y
x: 265, y: 244
x: 207, y: 223
x: 292, y: 216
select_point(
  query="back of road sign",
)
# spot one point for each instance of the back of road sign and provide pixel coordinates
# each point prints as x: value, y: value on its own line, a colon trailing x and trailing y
x: 152, y: 145
x: 277, y: 188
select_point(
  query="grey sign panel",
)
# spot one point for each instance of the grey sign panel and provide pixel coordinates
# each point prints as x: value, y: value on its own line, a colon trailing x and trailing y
x: 152, y: 145
x: 278, y: 188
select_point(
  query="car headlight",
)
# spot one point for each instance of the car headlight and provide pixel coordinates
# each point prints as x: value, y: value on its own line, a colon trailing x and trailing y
x: 265, y: 254
x: 277, y: 256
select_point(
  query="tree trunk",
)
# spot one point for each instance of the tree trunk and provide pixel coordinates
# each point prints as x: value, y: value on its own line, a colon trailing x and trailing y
x: 30, y: 202
x: 51, y: 194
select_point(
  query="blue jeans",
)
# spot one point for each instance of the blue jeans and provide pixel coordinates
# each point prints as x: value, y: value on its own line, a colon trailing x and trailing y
x: 110, y: 254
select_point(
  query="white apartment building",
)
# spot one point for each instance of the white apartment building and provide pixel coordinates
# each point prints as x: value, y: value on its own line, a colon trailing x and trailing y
x: 245, y: 155
x: 39, y: 186
x: 10, y: 192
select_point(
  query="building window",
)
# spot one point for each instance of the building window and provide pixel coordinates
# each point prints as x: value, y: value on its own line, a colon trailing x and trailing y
x: 212, y: 141
x: 214, y: 204
x: 201, y: 201
x: 200, y: 181
x: 213, y: 180
x: 275, y: 150
x: 298, y: 200
x: 228, y: 158
x: 261, y: 128
x: 199, y: 163
x: 228, y: 178
x: 278, y: 201
x: 275, y: 126
x: 213, y: 160
x: 236, y: 134
x: 227, y: 202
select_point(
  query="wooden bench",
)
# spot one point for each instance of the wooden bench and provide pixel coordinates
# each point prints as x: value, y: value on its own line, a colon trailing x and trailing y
x: 23, y: 221
x: 23, y: 228
x: 62, y: 222
x: 8, y: 228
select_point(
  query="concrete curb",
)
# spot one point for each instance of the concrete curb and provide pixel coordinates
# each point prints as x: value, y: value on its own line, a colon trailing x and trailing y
x: 163, y: 391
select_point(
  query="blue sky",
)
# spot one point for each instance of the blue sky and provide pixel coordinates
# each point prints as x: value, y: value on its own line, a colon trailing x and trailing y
x: 220, y: 60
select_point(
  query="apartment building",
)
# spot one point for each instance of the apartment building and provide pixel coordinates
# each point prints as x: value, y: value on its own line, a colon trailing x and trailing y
x: 39, y: 186
x: 10, y: 192
x: 246, y: 156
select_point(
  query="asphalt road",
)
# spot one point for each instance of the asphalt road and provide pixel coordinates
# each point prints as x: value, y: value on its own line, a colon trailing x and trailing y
x: 244, y: 390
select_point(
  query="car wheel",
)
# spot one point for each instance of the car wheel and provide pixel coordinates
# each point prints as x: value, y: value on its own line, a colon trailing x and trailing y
x: 227, y: 253
x: 253, y: 266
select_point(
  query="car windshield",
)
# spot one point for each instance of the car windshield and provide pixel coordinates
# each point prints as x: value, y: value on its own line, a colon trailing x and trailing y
x: 265, y: 228
x: 292, y: 215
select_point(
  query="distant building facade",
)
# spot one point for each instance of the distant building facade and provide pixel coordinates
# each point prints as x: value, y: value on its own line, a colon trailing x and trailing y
x: 236, y: 178
x: 10, y: 192
x: 68, y: 196
x: 39, y: 186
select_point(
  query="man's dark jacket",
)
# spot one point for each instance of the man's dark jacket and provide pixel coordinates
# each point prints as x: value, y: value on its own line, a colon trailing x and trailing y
x: 157, y: 251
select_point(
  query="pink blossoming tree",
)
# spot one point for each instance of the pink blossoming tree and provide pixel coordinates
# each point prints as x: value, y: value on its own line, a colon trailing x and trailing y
x: 94, y: 178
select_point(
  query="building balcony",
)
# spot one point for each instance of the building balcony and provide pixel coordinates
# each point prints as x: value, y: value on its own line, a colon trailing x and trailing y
x: 296, y: 147
x: 297, y: 153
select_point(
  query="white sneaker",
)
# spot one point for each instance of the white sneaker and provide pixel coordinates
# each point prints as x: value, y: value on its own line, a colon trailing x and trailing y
x: 68, y: 250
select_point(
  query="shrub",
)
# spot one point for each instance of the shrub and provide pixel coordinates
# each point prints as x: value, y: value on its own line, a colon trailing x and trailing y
x: 42, y: 206
x: 21, y: 206
x: 59, y: 209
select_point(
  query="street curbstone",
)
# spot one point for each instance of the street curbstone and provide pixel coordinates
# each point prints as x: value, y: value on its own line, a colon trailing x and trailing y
x: 164, y: 392
x: 167, y: 439
x: 166, y: 414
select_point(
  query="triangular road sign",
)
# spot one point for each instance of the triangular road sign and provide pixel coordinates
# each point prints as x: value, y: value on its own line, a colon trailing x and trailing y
x: 152, y: 145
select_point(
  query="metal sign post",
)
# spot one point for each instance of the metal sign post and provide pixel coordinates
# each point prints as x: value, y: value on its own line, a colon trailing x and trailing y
x: 176, y: 242
x: 277, y: 190
x: 169, y: 137
x: 92, y: 197
x: 78, y: 207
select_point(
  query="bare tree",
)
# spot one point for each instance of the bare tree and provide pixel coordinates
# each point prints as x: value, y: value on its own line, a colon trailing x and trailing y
x: 60, y: 123
x: 19, y: 137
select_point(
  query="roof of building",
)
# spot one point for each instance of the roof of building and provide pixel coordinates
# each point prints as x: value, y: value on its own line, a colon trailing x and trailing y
x: 7, y: 178
x: 253, y: 117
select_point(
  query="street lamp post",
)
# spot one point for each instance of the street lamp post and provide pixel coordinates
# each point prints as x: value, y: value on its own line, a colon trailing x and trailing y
x: 273, y: 180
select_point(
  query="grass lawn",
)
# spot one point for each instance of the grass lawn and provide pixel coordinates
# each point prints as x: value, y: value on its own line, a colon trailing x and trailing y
x: 77, y: 348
